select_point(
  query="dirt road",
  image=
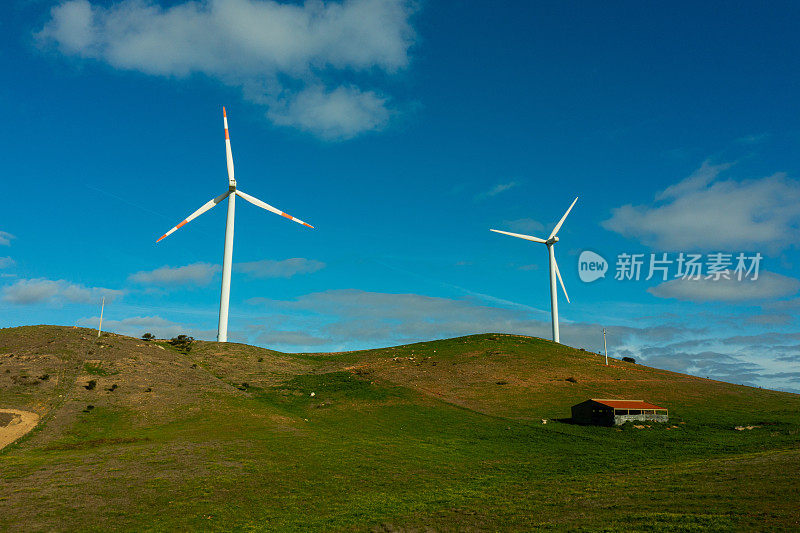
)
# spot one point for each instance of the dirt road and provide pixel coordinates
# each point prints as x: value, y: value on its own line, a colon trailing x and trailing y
x: 14, y: 424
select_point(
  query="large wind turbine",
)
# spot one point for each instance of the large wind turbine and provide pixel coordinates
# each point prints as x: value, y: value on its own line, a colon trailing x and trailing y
x: 227, y: 256
x: 550, y: 242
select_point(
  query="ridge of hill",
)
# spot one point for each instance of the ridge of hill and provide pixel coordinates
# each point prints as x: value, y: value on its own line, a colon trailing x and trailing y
x: 442, y: 435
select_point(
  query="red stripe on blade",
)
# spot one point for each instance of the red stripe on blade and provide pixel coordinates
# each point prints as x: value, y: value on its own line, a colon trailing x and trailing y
x: 287, y: 216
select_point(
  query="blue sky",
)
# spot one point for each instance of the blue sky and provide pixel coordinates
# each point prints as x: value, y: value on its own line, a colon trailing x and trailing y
x: 403, y: 132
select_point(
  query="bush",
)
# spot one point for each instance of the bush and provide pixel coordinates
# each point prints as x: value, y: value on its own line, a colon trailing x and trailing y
x: 91, y: 385
x: 148, y: 337
x: 182, y: 342
x: 571, y: 380
x: 629, y: 360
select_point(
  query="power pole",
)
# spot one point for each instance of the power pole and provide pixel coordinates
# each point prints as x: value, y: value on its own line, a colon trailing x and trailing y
x: 605, y: 347
x: 102, y: 306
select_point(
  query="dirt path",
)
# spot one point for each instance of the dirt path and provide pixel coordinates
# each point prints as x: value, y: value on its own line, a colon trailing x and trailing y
x: 14, y: 424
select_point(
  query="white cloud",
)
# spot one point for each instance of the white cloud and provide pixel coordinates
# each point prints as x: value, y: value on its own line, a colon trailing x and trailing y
x: 768, y: 286
x: 194, y: 274
x: 6, y: 262
x: 497, y: 189
x: 41, y: 290
x: 705, y: 213
x: 280, y: 54
x: 338, y: 114
x: 5, y: 238
x: 286, y: 268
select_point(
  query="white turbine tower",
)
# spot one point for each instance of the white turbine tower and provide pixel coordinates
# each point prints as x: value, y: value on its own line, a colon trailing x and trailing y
x: 227, y: 256
x: 550, y: 242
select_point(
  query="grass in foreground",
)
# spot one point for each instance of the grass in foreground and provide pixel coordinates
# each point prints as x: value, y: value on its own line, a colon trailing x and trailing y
x: 238, y: 438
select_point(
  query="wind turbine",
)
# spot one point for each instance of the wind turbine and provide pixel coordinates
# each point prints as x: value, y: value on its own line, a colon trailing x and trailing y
x: 227, y: 256
x: 550, y: 242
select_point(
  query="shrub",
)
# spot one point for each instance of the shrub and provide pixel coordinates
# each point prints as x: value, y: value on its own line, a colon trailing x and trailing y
x: 91, y: 385
x: 571, y: 380
x: 629, y: 360
x: 182, y: 342
x: 148, y: 337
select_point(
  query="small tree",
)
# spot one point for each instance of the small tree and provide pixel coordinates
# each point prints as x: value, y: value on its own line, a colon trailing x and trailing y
x: 629, y: 360
x: 148, y: 337
x: 182, y: 342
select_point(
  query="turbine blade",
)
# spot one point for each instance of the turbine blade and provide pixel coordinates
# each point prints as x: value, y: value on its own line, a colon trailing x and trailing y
x: 558, y: 273
x: 520, y: 236
x: 208, y: 205
x: 558, y: 226
x: 263, y: 205
x: 228, y: 153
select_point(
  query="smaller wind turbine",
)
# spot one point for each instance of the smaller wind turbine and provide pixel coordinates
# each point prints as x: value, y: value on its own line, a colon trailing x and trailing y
x: 550, y: 242
x: 102, y: 307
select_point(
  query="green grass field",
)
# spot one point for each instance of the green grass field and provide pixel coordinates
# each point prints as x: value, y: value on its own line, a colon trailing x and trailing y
x: 436, y: 436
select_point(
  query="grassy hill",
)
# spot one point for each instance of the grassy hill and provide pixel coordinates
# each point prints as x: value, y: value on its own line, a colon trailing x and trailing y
x: 443, y: 435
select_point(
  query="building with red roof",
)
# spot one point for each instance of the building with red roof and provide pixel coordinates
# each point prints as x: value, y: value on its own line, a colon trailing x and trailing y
x: 605, y: 412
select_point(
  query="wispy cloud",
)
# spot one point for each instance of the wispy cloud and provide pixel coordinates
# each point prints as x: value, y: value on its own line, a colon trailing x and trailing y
x: 286, y: 268
x: 290, y: 339
x: 497, y: 189
x: 139, y: 325
x: 292, y: 58
x: 524, y: 225
x: 194, y: 274
x: 349, y: 319
x: 705, y: 213
x: 757, y: 138
x: 5, y: 238
x: 6, y: 262
x: 768, y: 286
x: 42, y: 290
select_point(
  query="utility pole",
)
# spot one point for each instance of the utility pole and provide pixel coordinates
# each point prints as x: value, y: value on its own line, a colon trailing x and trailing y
x: 605, y: 347
x: 102, y: 306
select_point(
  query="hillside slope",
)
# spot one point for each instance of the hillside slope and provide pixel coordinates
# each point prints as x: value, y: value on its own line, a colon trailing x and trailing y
x: 444, y: 435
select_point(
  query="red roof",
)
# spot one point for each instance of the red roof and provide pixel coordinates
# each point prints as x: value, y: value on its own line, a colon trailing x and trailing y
x: 628, y: 404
